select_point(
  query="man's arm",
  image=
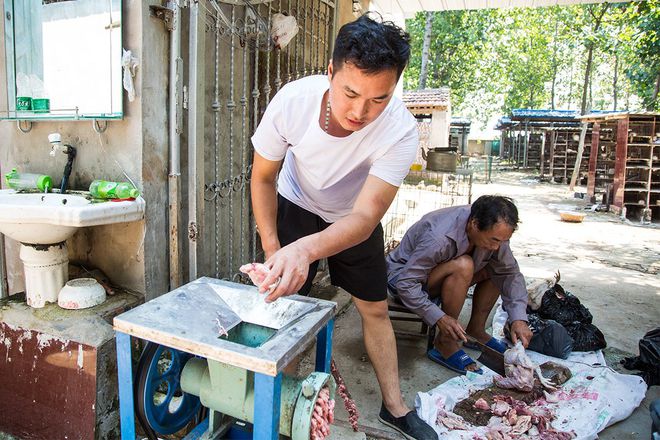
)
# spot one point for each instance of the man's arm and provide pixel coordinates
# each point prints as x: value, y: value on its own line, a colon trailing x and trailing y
x: 264, y: 201
x: 291, y: 262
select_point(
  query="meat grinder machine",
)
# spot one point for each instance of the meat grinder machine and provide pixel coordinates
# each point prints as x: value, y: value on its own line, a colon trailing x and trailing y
x: 215, y: 358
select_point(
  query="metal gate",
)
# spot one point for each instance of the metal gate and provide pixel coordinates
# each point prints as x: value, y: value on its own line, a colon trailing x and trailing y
x: 242, y: 70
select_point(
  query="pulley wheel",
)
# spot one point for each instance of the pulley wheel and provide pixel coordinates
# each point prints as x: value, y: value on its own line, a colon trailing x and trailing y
x: 161, y: 406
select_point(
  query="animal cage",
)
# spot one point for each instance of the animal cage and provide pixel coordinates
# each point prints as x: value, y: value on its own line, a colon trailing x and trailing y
x: 421, y: 193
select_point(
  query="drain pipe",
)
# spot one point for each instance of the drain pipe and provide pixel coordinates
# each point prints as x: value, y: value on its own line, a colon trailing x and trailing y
x: 4, y: 287
x: 195, y: 109
x: 175, y: 125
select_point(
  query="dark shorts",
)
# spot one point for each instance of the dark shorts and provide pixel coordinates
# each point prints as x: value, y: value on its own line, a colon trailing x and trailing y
x: 359, y: 270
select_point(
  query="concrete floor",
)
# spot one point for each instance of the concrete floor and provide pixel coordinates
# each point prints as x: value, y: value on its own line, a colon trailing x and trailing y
x: 610, y: 264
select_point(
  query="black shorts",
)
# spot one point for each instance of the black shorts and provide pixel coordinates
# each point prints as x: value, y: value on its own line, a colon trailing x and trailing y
x: 359, y: 270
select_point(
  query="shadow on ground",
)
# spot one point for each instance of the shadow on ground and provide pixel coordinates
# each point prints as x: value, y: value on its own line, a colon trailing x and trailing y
x: 610, y: 264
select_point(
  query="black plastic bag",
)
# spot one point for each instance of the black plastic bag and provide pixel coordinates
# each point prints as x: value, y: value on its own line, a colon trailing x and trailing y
x: 550, y: 337
x: 586, y: 336
x: 563, y: 307
x: 648, y: 361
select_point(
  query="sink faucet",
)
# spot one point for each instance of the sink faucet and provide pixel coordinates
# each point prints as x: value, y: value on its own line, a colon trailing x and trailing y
x: 55, y: 140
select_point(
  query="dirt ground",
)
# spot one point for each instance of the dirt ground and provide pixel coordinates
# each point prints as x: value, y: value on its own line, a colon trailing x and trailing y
x: 611, y: 264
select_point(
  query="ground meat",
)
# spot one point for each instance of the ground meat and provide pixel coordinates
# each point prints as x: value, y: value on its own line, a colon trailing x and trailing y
x: 349, y: 403
x: 322, y: 415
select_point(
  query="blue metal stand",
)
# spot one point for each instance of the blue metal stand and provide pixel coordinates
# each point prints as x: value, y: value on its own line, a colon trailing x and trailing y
x: 267, y: 406
x: 199, y: 432
x: 324, y: 347
x: 125, y: 377
x: 267, y: 390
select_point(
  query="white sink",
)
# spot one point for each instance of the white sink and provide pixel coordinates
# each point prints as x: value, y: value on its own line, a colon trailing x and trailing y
x: 43, y: 222
x: 52, y: 218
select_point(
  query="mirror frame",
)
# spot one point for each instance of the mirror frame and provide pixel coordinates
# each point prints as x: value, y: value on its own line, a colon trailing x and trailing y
x: 10, y: 73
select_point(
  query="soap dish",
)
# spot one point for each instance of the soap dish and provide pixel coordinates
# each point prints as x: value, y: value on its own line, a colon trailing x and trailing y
x: 81, y: 293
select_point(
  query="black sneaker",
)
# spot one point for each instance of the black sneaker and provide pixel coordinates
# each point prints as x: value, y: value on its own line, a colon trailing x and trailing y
x: 410, y: 425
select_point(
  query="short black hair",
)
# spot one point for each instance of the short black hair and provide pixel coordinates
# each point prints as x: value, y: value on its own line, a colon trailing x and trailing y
x: 372, y: 45
x: 489, y: 210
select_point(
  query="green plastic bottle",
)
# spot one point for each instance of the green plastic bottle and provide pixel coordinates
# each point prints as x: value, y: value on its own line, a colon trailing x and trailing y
x: 103, y: 189
x: 18, y: 181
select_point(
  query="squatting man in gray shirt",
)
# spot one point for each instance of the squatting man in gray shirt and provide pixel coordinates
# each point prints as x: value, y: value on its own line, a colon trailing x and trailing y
x: 445, y: 253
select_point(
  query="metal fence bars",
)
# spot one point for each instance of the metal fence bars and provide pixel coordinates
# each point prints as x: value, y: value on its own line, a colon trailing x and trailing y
x: 243, y: 70
x: 421, y: 193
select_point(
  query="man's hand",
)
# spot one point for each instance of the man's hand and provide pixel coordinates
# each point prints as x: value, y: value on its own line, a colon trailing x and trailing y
x: 291, y: 264
x: 451, y: 328
x: 520, y: 331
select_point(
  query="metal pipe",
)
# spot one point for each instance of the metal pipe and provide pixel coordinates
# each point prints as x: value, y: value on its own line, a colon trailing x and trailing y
x: 71, y: 155
x: 299, y: 36
x: 4, y: 287
x: 195, y: 136
x: 245, y: 102
x: 290, y: 50
x: 255, y: 120
x: 267, y: 88
x: 312, y: 54
x: 216, y: 147
x: 175, y: 117
x: 231, y: 106
x: 305, y: 12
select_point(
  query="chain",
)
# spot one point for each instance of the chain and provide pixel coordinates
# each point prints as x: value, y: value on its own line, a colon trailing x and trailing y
x: 226, y: 187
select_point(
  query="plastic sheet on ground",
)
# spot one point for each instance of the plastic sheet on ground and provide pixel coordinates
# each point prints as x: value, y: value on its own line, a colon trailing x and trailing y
x: 593, y: 399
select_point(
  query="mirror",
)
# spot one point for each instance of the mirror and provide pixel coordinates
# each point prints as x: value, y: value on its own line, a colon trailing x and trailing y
x: 63, y: 59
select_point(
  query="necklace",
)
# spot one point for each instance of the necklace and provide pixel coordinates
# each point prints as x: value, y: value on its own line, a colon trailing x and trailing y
x: 327, y: 113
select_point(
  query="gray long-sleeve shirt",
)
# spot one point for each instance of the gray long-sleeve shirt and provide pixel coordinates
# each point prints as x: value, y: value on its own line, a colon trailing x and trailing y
x: 439, y: 237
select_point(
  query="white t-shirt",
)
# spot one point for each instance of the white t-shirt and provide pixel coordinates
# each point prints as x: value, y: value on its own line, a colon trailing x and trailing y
x: 324, y: 174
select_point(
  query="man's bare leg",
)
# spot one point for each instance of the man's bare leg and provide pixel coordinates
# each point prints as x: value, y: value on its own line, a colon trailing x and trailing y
x: 451, y: 281
x: 381, y: 347
x: 483, y: 301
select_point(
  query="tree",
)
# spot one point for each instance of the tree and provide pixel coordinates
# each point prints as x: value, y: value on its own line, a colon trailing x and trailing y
x: 527, y: 56
x: 596, y: 12
x: 603, y: 56
x: 455, y: 48
x: 428, y: 28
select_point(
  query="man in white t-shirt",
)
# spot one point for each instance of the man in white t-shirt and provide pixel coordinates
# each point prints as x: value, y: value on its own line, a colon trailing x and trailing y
x: 346, y: 145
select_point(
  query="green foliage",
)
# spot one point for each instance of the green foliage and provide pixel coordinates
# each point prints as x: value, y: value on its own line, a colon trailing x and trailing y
x: 458, y: 40
x: 644, y: 68
x: 495, y: 60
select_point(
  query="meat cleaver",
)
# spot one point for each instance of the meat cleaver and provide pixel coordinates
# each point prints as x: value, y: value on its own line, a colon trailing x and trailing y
x: 492, y: 359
